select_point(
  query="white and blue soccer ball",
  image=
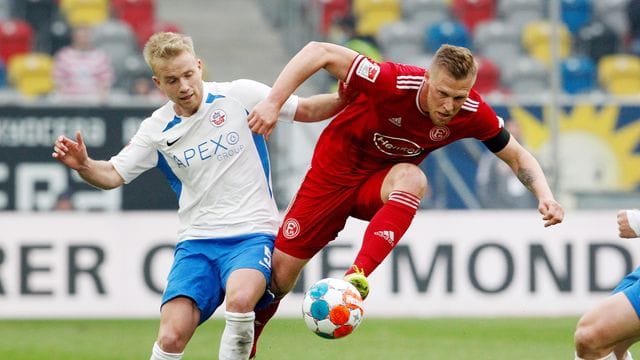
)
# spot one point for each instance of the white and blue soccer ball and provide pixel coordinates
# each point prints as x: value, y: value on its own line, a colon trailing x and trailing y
x: 332, y: 308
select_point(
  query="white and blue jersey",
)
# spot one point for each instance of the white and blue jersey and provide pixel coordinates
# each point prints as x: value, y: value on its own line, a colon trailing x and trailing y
x: 217, y: 167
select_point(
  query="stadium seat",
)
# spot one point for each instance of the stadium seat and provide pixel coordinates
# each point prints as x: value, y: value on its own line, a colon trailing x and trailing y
x: 536, y: 40
x: 140, y: 15
x: 400, y: 41
x: 488, y: 79
x: 330, y: 11
x: 117, y: 39
x: 499, y: 41
x: 526, y: 76
x: 16, y: 37
x: 521, y: 12
x: 5, y: 10
x: 85, y: 12
x: 619, y: 74
x: 60, y: 35
x: 578, y: 74
x: 613, y: 13
x: 372, y: 14
x: 596, y: 40
x: 576, y: 13
x: 447, y: 32
x: 31, y: 73
x: 424, y: 13
x: 473, y: 12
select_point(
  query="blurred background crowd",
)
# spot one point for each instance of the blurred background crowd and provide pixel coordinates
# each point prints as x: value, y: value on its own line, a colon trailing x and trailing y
x: 565, y: 74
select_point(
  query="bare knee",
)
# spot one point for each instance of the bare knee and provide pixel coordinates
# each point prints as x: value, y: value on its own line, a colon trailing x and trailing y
x: 589, y: 341
x: 241, y: 302
x: 409, y: 178
x: 170, y: 340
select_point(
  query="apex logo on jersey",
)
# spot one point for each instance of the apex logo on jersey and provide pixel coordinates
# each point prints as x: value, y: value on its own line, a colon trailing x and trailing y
x: 217, y: 117
x: 290, y: 228
x: 439, y: 133
x: 397, y: 121
x: 368, y: 70
x: 387, y: 235
x: 396, y: 146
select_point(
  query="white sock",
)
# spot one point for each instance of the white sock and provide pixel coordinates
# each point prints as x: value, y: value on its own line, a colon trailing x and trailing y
x: 611, y: 356
x: 159, y: 354
x: 237, y: 337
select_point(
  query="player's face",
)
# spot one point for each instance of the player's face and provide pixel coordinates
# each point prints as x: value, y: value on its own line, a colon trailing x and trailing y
x: 442, y: 96
x: 180, y: 79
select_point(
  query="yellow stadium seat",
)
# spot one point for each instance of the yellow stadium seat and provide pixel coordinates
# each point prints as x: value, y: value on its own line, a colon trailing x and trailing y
x: 619, y: 74
x: 31, y: 73
x: 85, y: 12
x: 536, y: 40
x: 372, y: 14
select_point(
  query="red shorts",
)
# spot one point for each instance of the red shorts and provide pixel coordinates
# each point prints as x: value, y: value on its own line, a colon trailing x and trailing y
x: 320, y: 210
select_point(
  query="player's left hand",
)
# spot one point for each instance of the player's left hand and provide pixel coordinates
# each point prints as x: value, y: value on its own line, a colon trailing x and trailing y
x: 552, y: 212
x: 263, y: 118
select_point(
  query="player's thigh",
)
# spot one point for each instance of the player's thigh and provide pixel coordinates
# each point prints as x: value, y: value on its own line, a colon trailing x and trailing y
x: 179, y: 318
x: 369, y: 198
x: 244, y: 288
x: 611, y: 321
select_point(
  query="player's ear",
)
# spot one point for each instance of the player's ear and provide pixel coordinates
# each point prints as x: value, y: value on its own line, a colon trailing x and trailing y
x: 156, y: 81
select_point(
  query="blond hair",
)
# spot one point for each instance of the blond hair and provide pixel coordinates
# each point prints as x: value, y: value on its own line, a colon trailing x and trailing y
x: 166, y: 45
x: 457, y: 60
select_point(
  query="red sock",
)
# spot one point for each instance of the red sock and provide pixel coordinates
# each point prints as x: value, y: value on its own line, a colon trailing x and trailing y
x: 262, y: 318
x: 385, y: 230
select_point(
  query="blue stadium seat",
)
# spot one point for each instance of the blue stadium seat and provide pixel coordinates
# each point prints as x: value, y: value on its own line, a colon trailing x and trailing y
x: 576, y: 13
x: 579, y: 75
x: 446, y: 32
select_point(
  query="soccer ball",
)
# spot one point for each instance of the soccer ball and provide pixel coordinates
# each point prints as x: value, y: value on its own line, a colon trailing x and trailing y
x: 332, y: 308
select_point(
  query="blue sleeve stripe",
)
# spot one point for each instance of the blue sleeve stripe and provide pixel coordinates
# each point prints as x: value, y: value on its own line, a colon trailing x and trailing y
x: 172, y: 179
x: 211, y: 98
x: 176, y: 120
x: 263, y: 152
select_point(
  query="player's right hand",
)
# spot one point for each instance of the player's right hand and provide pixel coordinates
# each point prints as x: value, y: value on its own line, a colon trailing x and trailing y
x: 263, y: 118
x: 628, y: 223
x: 71, y: 153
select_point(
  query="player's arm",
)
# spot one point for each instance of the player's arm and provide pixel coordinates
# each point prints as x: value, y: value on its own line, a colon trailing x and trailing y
x: 629, y: 223
x: 73, y: 154
x: 530, y: 174
x: 324, y: 106
x: 314, y: 56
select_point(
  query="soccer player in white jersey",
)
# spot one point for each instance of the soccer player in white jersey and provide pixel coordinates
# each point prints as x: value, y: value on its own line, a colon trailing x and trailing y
x: 219, y: 170
x: 607, y: 331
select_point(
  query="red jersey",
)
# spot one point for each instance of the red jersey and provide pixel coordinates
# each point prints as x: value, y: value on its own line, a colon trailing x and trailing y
x: 385, y: 125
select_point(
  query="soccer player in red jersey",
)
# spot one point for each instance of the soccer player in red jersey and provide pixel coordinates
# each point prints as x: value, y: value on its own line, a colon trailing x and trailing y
x: 365, y: 163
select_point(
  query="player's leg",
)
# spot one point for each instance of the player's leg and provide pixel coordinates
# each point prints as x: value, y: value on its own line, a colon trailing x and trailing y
x: 245, y: 269
x: 390, y: 200
x: 182, y: 301
x: 611, y: 325
x: 178, y: 321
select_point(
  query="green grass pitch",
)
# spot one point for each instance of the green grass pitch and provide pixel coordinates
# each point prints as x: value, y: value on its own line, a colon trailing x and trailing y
x: 396, y: 339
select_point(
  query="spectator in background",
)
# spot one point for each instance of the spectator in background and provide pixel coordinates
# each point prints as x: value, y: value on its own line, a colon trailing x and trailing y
x: 633, y: 12
x: 496, y: 184
x: 81, y: 71
x: 349, y: 37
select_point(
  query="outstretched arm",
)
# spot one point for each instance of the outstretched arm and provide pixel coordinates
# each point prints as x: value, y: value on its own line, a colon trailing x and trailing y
x: 530, y: 174
x: 313, y: 57
x: 73, y: 154
x: 629, y: 223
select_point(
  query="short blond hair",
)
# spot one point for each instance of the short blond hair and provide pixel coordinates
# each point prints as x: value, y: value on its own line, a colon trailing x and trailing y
x: 166, y: 45
x: 457, y: 60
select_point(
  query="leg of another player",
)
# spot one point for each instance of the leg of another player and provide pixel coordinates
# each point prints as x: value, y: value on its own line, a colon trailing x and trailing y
x: 178, y: 321
x: 244, y: 289
x: 284, y: 274
x: 611, y: 325
x: 401, y: 191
